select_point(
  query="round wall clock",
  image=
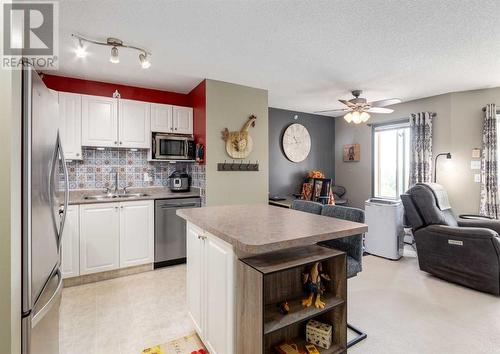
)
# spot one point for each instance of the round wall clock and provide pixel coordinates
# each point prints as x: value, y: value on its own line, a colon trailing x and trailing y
x: 296, y: 142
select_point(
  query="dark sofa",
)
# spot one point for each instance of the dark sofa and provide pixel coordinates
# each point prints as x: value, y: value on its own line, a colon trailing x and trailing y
x: 463, y: 251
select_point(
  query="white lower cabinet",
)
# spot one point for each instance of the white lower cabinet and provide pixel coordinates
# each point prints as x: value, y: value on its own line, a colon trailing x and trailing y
x: 99, y: 237
x: 70, y: 257
x: 136, y: 233
x: 210, y: 288
x: 116, y: 235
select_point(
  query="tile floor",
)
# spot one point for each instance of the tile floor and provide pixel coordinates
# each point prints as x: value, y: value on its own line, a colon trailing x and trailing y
x: 124, y: 315
x: 402, y: 309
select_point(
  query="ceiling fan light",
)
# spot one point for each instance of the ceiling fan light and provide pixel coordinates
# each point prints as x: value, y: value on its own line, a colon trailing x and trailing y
x: 364, y: 116
x: 114, y: 58
x: 145, y: 63
x: 356, y: 117
x: 348, y: 117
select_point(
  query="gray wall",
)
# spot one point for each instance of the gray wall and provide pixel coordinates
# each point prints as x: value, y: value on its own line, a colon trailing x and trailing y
x: 285, y: 177
x: 456, y: 129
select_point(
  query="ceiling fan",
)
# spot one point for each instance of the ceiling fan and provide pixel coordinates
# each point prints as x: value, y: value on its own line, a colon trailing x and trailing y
x: 358, y: 109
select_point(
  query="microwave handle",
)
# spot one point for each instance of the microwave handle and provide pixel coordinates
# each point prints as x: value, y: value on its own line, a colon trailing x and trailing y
x: 153, y: 147
x: 186, y: 148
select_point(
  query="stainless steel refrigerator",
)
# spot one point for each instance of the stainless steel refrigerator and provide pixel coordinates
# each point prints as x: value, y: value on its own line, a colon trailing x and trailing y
x: 45, y: 200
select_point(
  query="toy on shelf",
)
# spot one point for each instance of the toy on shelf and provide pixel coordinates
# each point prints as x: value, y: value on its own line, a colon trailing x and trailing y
x: 289, y: 348
x: 284, y: 308
x: 313, y: 285
x: 311, y: 349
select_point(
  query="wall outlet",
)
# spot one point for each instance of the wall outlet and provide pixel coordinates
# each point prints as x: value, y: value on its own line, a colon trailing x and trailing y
x: 477, y: 177
x: 146, y: 177
x: 475, y: 165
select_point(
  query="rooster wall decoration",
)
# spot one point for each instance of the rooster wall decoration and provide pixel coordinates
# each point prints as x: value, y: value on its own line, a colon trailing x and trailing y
x: 239, y: 144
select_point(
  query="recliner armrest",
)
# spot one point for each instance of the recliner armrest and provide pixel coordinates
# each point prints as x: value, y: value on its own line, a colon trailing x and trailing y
x: 463, y: 232
x: 491, y: 224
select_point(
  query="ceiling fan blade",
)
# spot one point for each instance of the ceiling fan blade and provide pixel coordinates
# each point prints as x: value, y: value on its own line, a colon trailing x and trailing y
x: 347, y: 103
x: 380, y: 110
x: 387, y: 102
x: 334, y: 110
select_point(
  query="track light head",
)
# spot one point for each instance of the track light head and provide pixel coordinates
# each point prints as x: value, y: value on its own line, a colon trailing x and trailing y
x: 145, y: 63
x: 114, y: 58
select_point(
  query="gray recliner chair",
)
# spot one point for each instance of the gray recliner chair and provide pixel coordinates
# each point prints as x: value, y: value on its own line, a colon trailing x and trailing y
x: 463, y: 251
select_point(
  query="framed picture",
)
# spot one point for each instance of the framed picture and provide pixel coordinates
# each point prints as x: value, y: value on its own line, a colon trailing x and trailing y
x: 351, y: 153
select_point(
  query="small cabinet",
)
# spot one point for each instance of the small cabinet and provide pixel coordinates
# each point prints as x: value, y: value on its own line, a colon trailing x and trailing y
x: 99, y: 237
x: 70, y: 255
x: 70, y: 124
x: 182, y: 120
x: 161, y: 118
x: 210, y: 288
x: 136, y: 233
x: 134, y: 126
x: 99, y: 121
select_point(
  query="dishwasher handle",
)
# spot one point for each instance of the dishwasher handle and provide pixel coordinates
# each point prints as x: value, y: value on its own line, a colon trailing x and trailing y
x: 186, y: 205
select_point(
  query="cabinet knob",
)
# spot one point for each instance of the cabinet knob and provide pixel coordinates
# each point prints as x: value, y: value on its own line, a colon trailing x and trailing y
x: 175, y: 128
x: 121, y: 142
x: 77, y: 154
x: 116, y: 142
x: 116, y: 208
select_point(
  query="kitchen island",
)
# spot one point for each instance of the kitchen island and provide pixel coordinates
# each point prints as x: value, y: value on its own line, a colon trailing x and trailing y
x: 242, y: 260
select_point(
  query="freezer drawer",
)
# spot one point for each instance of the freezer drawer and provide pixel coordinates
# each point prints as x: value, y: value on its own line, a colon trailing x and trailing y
x: 170, y: 230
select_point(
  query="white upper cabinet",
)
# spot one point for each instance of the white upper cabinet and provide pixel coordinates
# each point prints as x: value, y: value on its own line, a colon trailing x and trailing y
x: 99, y: 121
x: 70, y: 124
x: 182, y: 120
x: 134, y: 124
x: 161, y: 118
x: 136, y: 233
x: 70, y: 262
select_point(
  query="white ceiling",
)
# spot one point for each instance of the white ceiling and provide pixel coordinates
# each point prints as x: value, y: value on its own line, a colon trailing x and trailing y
x: 306, y: 53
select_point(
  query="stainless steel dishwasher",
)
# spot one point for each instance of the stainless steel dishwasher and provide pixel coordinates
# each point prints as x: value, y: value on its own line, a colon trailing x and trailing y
x: 170, y: 230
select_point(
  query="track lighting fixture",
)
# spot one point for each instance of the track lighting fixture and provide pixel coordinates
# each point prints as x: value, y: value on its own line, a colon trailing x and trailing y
x: 80, y: 50
x: 114, y: 43
x: 114, y: 58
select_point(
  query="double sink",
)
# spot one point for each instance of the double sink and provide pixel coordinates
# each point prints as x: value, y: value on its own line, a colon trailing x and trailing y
x: 112, y: 196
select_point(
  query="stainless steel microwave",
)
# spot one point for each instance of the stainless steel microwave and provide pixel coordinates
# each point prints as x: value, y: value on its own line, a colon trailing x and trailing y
x: 173, y: 147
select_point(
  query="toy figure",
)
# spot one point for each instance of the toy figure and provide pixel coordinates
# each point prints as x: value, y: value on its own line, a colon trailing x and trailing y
x: 313, y: 285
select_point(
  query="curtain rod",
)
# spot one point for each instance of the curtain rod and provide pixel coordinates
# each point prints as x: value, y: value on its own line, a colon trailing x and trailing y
x: 484, y: 109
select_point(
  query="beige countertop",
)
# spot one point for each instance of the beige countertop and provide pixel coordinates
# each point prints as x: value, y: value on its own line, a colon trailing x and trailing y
x: 261, y: 228
x: 77, y: 196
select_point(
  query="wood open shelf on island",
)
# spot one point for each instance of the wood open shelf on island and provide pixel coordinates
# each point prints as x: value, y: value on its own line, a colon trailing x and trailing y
x: 275, y: 320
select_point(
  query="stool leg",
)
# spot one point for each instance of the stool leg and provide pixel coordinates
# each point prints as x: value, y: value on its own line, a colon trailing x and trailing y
x: 360, y: 335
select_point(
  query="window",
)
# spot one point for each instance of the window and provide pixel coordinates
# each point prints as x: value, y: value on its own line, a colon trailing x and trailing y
x: 391, y: 147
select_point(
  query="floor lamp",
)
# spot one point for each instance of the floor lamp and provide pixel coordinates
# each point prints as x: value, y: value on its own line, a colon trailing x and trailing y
x: 448, y: 156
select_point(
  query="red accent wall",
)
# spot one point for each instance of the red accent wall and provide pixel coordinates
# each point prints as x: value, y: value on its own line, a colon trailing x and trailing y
x: 98, y: 88
x: 198, y: 101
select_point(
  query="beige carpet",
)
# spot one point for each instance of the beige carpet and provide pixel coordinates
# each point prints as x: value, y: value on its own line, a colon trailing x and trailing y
x: 404, y: 310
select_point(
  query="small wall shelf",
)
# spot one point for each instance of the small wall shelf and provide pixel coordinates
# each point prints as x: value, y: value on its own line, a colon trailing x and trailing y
x: 269, y: 279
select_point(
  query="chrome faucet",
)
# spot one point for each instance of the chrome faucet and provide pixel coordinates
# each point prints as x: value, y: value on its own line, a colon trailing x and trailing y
x: 116, y: 183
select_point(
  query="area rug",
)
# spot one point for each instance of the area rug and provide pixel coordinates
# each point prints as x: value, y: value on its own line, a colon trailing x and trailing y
x: 189, y: 344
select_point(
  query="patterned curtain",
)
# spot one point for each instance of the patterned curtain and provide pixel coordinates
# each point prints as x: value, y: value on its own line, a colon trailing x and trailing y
x: 488, y: 205
x: 420, y: 147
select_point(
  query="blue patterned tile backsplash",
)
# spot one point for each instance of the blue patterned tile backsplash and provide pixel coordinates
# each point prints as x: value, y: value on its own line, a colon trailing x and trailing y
x: 97, y: 169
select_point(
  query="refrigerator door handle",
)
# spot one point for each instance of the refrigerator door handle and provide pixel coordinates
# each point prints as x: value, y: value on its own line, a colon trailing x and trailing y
x: 66, y: 190
x: 46, y: 308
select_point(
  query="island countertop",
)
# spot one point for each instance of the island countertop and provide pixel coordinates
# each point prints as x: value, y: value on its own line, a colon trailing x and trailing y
x: 262, y: 228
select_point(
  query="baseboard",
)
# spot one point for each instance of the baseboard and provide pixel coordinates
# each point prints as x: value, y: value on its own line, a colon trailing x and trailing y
x: 110, y: 274
x: 169, y: 263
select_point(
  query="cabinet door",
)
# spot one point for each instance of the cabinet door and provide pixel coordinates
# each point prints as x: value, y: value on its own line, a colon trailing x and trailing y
x: 99, y: 121
x: 99, y: 237
x: 182, y: 120
x: 194, y: 277
x: 134, y: 124
x: 70, y: 257
x: 136, y: 233
x: 70, y: 126
x: 161, y: 118
x: 219, y: 295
